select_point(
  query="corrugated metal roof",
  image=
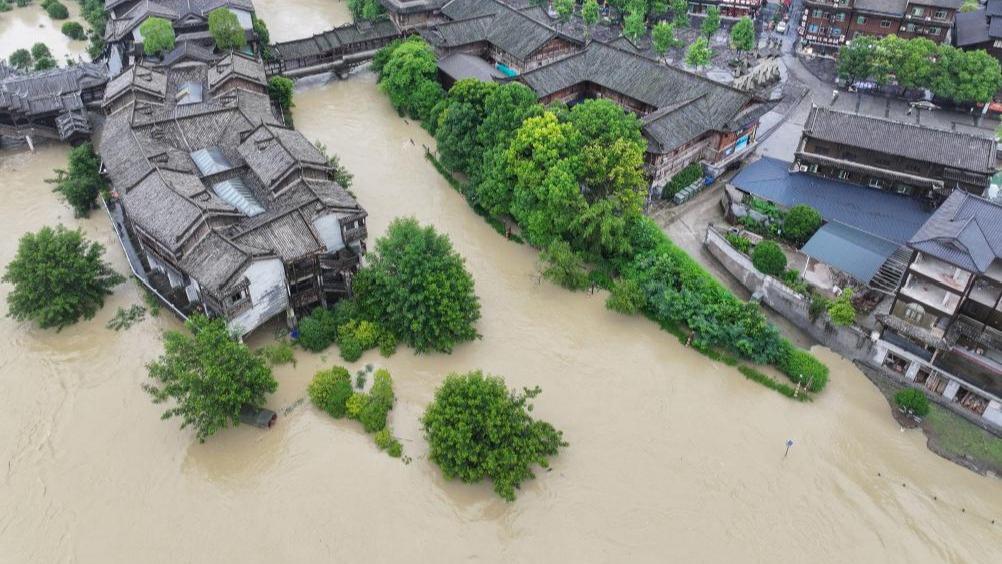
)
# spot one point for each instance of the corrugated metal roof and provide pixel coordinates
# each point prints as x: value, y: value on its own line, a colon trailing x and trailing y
x: 237, y: 194
x: 210, y: 161
x: 849, y: 250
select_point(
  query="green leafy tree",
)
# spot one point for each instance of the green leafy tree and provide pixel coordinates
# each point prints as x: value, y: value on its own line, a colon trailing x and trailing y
x: 590, y: 14
x: 427, y: 96
x: 564, y: 9
x: 417, y: 287
x: 711, y: 23
x: 913, y: 401
x: 743, y: 34
x: 663, y: 38
x: 20, y: 59
x: 768, y: 258
x: 330, y: 390
x: 841, y: 310
x: 45, y: 63
x: 209, y: 375
x: 263, y: 37
x: 634, y: 26
x: 800, y: 223
x: 857, y: 60
x: 74, y: 30
x: 911, y: 60
x: 281, y: 89
x: 966, y: 76
x: 564, y: 267
x: 477, y: 429
x: 56, y: 10
x: 680, y: 13
x: 81, y: 184
x: 158, y: 36
x: 365, y: 10
x: 409, y: 65
x: 627, y: 297
x: 58, y: 278
x: 226, y: 30
x: 456, y: 132
x: 699, y: 53
x: 40, y: 51
x: 318, y: 330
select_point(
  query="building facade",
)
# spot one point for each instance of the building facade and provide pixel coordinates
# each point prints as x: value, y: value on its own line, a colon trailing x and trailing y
x: 918, y: 161
x: 980, y: 29
x: 944, y: 330
x: 826, y: 25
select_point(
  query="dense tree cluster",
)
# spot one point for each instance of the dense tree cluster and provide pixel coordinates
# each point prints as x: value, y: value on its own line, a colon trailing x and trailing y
x: 158, y: 36
x: 365, y: 10
x: 58, y: 277
x: 961, y: 76
x: 82, y: 182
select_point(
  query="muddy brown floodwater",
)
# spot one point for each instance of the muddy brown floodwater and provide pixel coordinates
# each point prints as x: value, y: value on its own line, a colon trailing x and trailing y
x: 672, y: 457
x: 23, y: 27
x: 294, y: 20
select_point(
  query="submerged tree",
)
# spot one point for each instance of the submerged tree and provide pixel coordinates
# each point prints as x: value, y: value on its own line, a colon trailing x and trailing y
x: 209, y: 375
x: 81, y: 184
x: 477, y: 429
x: 58, y: 278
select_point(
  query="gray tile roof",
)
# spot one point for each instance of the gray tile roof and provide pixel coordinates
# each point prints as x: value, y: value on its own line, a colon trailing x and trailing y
x: 236, y: 65
x: 138, y: 78
x: 965, y: 231
x: 890, y: 7
x: 460, y: 66
x: 50, y: 91
x: 514, y: 32
x: 884, y: 214
x: 172, y: 10
x: 687, y: 104
x: 411, y: 6
x: 949, y: 148
x: 971, y: 28
x: 335, y: 39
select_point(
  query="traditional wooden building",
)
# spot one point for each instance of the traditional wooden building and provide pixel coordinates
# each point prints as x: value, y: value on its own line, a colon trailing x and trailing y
x: 980, y: 29
x: 826, y: 25
x: 221, y: 208
x: 944, y: 330
x: 53, y: 104
x: 905, y: 158
x: 729, y: 9
x: 411, y: 14
x: 686, y: 118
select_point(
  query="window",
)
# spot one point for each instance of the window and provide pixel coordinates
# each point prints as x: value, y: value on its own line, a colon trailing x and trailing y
x: 813, y: 28
x: 904, y: 189
x: 843, y: 174
x: 885, y: 23
x: 940, y: 14
x: 861, y: 20
x: 910, y: 27
x: 914, y: 313
x: 933, y: 31
x: 835, y: 32
x: 875, y: 183
x: 818, y: 13
x: 840, y: 17
x: 238, y: 297
x: 917, y: 12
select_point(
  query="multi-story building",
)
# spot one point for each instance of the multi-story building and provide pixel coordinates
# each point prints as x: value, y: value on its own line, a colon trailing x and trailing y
x: 686, y: 118
x: 410, y: 14
x: 905, y: 158
x: 826, y: 25
x: 980, y: 29
x: 729, y: 9
x: 944, y: 330
x: 219, y: 206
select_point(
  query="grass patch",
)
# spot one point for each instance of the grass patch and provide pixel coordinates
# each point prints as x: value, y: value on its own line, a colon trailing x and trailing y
x: 768, y: 382
x: 960, y: 437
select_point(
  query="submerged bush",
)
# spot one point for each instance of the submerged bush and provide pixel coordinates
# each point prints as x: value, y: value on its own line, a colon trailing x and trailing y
x: 317, y: 330
x: 330, y: 391
x: 913, y: 401
x: 357, y: 336
x: 626, y: 297
x: 803, y: 368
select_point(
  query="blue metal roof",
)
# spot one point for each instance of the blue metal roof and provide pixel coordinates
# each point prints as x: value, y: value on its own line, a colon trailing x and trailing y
x: 849, y: 250
x: 236, y: 193
x: 887, y: 215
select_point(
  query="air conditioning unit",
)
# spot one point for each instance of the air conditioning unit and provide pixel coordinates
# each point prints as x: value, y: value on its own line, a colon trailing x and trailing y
x: 803, y: 168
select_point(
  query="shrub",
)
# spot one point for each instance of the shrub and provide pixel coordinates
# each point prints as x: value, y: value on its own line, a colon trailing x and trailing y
x: 395, y: 449
x: 279, y: 352
x: 818, y: 304
x: 800, y: 224
x: 476, y: 428
x: 739, y: 242
x: 4, y: 6
x: 913, y: 401
x: 383, y: 438
x: 56, y: 10
x: 74, y: 30
x: 803, y: 368
x: 280, y: 89
x: 374, y: 412
x: 20, y: 59
x: 841, y: 310
x: 225, y: 30
x: 45, y: 63
x: 683, y: 178
x: 563, y: 266
x: 317, y: 330
x: 330, y: 391
x: 356, y: 337
x: 387, y: 344
x: 40, y: 51
x: 768, y: 258
x: 626, y: 297
x: 355, y: 404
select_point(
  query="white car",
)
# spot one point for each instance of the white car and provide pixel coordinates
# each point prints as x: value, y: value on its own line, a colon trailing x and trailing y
x: 781, y: 27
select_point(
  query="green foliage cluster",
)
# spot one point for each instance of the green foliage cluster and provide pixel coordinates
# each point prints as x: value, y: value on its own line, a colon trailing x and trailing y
x: 126, y: 318
x: 699, y: 53
x: 357, y: 336
x: 338, y: 172
x: 209, y: 375
x: 5, y: 6
x: 74, y: 30
x: 330, y: 389
x: 38, y: 58
x: 949, y: 72
x: 366, y: 10
x: 476, y: 428
x: 785, y: 389
x: 800, y: 224
x: 158, y: 36
x: 803, y: 368
x: 280, y: 89
x: 226, y: 31
x: 417, y: 287
x: 55, y: 9
x: 82, y: 182
x: 743, y: 34
x: 841, y: 311
x: 741, y: 243
x: 913, y: 401
x: 626, y: 297
x: 279, y: 352
x: 318, y: 330
x: 58, y: 277
x: 682, y: 178
x: 20, y: 59
x: 263, y: 36
x: 663, y: 37
x: 93, y: 12
x: 563, y: 266
x: 711, y: 21
x: 769, y: 259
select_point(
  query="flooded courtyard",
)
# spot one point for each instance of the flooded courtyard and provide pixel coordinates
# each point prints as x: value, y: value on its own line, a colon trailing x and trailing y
x: 672, y: 457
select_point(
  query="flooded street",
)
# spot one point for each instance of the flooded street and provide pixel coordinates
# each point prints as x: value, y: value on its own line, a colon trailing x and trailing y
x: 20, y: 28
x: 672, y: 457
x: 295, y: 20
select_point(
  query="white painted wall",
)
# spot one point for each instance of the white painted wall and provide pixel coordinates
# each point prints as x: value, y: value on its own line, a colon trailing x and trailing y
x: 268, y: 293
x: 329, y: 229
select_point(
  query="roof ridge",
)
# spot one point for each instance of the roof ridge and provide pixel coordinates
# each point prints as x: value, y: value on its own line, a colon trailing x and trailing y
x: 903, y: 123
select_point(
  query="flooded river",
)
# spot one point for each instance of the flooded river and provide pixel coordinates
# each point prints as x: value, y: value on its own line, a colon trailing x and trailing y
x: 672, y: 457
x: 23, y: 27
x: 294, y: 20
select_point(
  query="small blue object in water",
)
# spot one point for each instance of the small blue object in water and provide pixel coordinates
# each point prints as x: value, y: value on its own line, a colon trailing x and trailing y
x: 295, y: 333
x: 508, y: 71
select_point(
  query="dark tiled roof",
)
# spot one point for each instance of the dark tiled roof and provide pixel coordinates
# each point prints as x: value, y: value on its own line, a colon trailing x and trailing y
x: 949, y: 148
x: 335, y: 39
x: 236, y: 65
x: 994, y: 7
x: 971, y: 28
x: 52, y: 90
x: 965, y: 231
x: 890, y: 7
x: 173, y: 10
x: 883, y: 214
x: 514, y: 32
x: 460, y: 66
x: 687, y: 104
x: 411, y: 6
